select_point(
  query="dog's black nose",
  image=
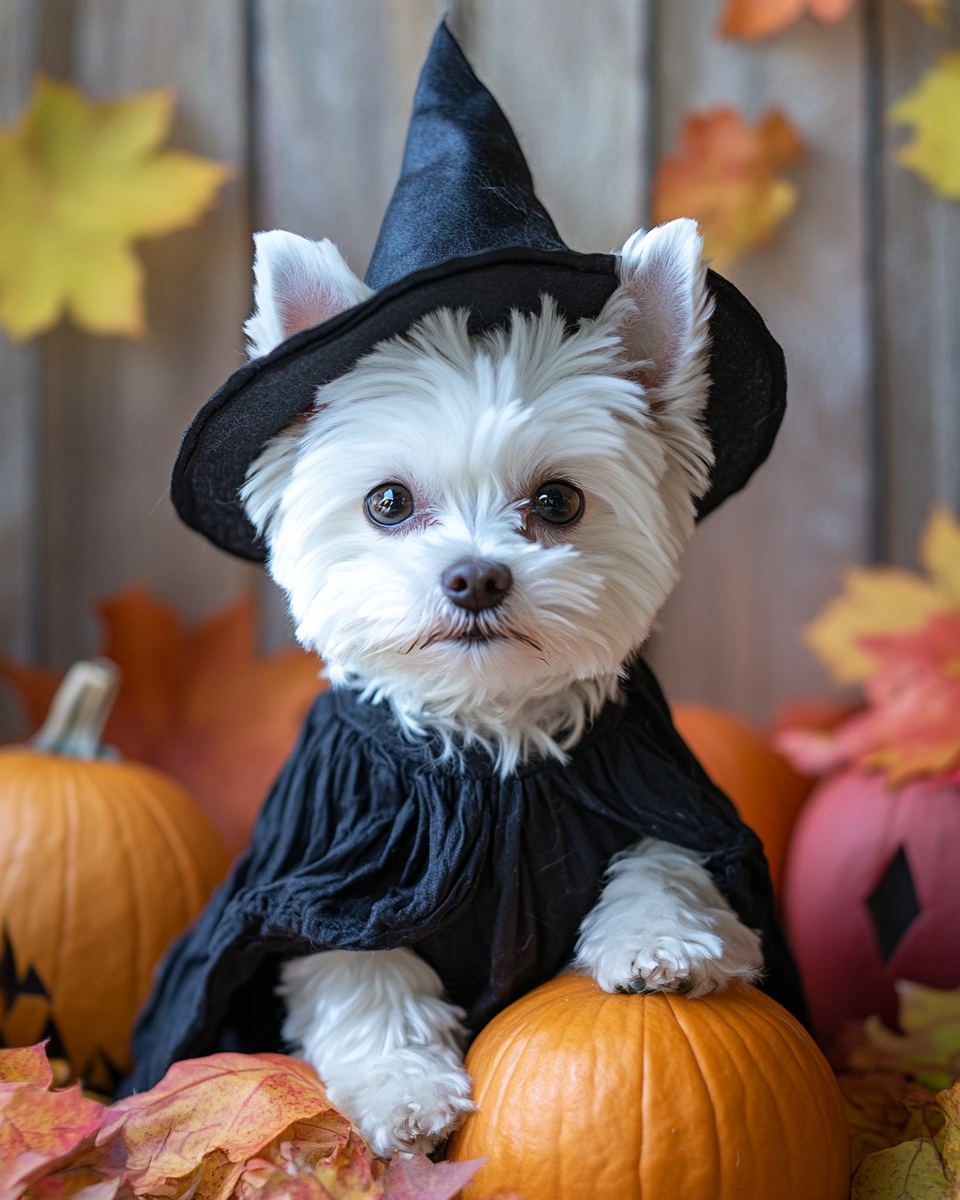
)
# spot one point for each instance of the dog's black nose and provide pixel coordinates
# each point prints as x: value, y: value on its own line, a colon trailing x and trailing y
x: 476, y: 583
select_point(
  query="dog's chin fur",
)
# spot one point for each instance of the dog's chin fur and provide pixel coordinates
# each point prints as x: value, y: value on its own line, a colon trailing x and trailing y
x: 471, y: 425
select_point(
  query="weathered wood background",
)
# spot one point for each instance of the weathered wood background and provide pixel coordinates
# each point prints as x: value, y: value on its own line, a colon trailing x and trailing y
x: 310, y: 98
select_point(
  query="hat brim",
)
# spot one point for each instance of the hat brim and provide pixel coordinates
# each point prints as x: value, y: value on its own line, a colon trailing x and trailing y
x: 744, y: 410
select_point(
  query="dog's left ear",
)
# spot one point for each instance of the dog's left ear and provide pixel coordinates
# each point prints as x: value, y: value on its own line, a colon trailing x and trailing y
x: 665, y: 329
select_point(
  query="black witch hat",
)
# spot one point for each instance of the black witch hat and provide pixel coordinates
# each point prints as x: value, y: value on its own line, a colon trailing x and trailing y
x: 464, y: 229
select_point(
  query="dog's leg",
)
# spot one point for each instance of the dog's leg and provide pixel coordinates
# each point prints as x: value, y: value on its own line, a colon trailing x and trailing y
x: 661, y: 925
x: 388, y: 1048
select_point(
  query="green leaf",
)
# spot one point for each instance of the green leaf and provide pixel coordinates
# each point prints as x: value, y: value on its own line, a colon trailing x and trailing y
x: 910, y: 1171
x: 929, y: 1047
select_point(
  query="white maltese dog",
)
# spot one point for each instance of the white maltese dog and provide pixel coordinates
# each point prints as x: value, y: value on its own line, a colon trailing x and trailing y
x: 478, y: 531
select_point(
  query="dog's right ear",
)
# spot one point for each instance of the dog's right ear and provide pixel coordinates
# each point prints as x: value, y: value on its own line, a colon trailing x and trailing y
x: 298, y: 283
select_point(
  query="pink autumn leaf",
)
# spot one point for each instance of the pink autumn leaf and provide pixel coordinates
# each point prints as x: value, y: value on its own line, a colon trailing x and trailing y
x: 418, y: 1178
x: 39, y: 1129
x: 911, y: 727
x: 26, y: 1064
x: 232, y: 1103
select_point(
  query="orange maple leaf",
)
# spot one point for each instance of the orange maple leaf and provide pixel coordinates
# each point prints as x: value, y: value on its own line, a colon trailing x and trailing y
x: 756, y: 19
x: 911, y: 728
x: 725, y: 176
x: 200, y: 704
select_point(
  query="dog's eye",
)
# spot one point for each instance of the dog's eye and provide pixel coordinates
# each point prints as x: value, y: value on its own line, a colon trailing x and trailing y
x: 389, y: 504
x: 557, y: 503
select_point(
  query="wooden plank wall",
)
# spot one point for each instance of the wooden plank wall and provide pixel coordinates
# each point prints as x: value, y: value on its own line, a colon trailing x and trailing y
x: 918, y: 333
x: 313, y: 96
x: 762, y: 565
x: 114, y: 409
x: 19, y: 479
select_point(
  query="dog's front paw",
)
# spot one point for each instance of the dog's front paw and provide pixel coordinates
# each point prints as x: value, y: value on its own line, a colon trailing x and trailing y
x: 692, y: 958
x: 410, y: 1099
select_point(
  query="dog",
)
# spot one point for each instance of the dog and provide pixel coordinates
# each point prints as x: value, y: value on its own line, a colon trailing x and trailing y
x: 477, y: 531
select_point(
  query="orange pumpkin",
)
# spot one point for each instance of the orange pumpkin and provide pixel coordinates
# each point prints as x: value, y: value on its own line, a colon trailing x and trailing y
x: 767, y: 791
x: 102, y: 864
x: 581, y: 1093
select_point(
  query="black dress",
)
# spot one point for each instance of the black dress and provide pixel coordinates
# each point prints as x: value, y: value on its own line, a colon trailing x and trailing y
x: 370, y: 841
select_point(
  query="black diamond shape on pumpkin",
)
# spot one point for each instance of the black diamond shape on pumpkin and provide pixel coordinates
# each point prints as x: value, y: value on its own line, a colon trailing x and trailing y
x: 893, y: 904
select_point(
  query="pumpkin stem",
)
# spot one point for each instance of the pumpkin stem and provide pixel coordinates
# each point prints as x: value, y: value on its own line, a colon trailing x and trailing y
x: 79, y: 711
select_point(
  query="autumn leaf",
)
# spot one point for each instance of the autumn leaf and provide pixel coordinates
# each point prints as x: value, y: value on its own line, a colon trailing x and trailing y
x: 248, y: 1127
x: 726, y: 176
x: 354, y: 1175
x: 79, y: 181
x: 933, y: 111
x: 756, y: 19
x: 39, y: 1129
x: 911, y: 727
x: 199, y: 704
x: 876, y: 600
x: 26, y: 1064
x: 232, y: 1103
x: 881, y: 600
x: 884, y: 1109
x: 949, y: 1102
x: 911, y: 1171
x: 928, y: 1049
x: 417, y: 1178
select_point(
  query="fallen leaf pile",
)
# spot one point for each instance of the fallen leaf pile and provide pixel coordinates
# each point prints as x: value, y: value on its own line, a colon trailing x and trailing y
x: 900, y: 633
x: 79, y: 181
x: 248, y: 1126
x: 726, y: 175
x: 932, y: 109
x: 902, y: 1098
x: 200, y: 704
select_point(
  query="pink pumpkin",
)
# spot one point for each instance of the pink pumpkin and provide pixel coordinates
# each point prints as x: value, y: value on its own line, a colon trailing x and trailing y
x: 872, y: 895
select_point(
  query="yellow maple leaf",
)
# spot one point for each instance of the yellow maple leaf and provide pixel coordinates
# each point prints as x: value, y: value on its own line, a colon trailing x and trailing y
x: 79, y: 181
x: 725, y: 175
x: 933, y: 110
x: 940, y: 552
x: 879, y: 600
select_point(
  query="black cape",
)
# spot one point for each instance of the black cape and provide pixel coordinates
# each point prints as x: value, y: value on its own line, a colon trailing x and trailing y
x: 370, y: 841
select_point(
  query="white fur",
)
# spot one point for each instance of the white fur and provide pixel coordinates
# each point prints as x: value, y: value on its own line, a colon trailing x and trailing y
x: 473, y: 424
x: 388, y: 1048
x: 298, y: 283
x: 662, y: 925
